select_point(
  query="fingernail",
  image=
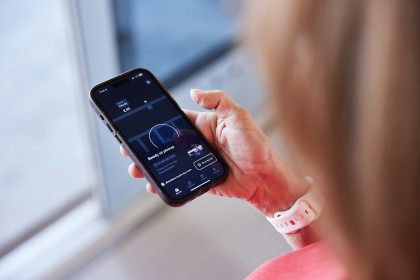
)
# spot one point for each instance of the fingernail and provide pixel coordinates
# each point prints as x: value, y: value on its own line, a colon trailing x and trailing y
x: 198, y: 90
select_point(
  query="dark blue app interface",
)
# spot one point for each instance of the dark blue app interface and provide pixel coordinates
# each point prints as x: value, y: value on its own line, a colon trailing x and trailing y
x: 166, y: 143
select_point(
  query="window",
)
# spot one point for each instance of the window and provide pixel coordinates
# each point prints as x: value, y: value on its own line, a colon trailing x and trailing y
x: 173, y: 38
x: 45, y: 162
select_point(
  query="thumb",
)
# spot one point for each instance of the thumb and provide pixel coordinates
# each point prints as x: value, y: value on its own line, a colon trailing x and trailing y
x: 218, y: 100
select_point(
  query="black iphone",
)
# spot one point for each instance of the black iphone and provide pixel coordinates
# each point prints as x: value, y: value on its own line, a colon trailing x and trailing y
x: 170, y: 151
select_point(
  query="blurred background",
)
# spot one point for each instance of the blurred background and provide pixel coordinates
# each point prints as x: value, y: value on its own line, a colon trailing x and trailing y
x: 68, y: 209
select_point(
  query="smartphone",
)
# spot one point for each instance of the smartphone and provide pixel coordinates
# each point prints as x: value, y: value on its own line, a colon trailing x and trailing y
x: 167, y: 148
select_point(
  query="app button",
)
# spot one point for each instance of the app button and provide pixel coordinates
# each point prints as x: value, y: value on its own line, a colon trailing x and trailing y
x: 190, y: 184
x: 204, y: 161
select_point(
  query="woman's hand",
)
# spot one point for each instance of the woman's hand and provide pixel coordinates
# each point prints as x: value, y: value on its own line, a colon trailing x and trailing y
x: 256, y: 173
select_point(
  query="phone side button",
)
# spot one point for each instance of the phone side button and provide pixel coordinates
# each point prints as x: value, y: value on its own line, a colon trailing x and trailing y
x: 109, y: 127
x: 118, y: 139
x: 102, y: 117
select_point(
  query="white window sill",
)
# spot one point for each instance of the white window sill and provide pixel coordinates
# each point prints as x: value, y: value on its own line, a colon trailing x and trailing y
x: 74, y: 240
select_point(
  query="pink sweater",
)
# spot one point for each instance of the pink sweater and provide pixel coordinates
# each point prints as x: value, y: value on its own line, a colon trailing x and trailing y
x: 312, y: 262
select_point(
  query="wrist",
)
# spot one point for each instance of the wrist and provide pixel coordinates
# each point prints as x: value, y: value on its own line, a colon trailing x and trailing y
x: 278, y: 189
x: 305, y: 210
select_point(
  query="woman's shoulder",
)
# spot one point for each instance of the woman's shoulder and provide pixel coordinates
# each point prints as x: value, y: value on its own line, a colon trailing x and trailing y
x: 315, y: 261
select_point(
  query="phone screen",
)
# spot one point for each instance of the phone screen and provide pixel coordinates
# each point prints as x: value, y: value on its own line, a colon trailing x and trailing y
x: 176, y: 156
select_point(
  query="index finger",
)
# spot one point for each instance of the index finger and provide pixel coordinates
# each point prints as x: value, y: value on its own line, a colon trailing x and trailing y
x: 123, y: 152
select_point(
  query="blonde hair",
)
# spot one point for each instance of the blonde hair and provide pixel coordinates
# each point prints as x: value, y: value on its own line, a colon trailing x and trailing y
x: 345, y: 79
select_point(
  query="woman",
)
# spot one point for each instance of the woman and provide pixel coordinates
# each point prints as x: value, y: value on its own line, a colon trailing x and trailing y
x: 344, y: 77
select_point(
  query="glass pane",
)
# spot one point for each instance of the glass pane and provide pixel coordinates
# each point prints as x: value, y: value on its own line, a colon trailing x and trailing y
x: 45, y: 163
x: 167, y: 37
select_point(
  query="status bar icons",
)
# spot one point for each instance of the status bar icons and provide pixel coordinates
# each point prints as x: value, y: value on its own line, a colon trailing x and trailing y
x: 137, y: 76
